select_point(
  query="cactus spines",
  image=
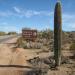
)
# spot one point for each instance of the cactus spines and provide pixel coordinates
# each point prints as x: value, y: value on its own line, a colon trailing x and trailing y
x: 57, y: 33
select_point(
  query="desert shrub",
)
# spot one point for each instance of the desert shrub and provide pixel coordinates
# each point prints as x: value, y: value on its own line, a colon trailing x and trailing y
x: 20, y: 42
x: 39, y: 67
x: 2, y: 33
x: 45, y: 34
x: 12, y: 33
x: 38, y: 45
x: 72, y: 47
x: 37, y: 71
x: 28, y: 44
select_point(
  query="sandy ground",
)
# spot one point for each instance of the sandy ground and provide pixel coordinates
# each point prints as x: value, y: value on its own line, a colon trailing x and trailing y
x: 19, y: 56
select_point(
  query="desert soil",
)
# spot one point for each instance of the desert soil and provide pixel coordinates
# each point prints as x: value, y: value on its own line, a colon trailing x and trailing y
x: 9, y: 55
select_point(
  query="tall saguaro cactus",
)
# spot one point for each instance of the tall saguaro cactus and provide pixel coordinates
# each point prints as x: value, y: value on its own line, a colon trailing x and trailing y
x: 57, y: 33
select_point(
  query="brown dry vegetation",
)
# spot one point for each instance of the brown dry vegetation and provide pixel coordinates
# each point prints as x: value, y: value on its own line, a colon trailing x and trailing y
x: 37, y: 56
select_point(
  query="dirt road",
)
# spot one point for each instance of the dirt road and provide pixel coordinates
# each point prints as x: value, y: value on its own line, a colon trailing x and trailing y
x: 8, y: 39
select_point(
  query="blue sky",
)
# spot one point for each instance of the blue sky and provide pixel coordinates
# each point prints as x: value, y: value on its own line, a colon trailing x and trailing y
x: 36, y: 14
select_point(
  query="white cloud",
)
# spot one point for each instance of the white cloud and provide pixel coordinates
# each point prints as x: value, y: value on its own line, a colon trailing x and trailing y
x: 26, y: 14
x: 30, y: 13
x: 20, y: 12
x: 17, y: 9
x: 68, y: 19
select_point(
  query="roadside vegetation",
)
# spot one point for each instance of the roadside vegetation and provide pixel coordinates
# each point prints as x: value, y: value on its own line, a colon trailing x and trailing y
x: 72, y: 48
x: 41, y: 41
x: 9, y: 33
x: 2, y: 33
x: 45, y: 41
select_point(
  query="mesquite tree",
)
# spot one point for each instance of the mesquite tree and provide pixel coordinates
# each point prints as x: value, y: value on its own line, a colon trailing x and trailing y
x: 57, y: 33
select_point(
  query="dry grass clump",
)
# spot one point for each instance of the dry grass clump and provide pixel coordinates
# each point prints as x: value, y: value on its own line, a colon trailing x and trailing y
x: 28, y: 44
x: 20, y: 42
x: 72, y: 47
